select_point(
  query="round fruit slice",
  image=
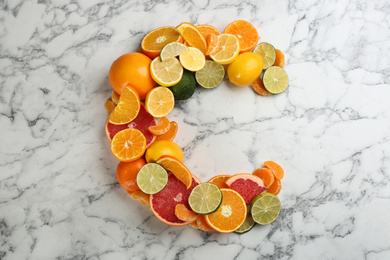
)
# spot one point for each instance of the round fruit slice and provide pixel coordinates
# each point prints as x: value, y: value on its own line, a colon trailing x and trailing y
x: 211, y: 75
x: 172, y: 49
x: 267, y: 51
x: 173, y: 165
x: 227, y: 50
x: 127, y: 108
x: 152, y: 178
x: 155, y: 40
x: 265, y: 208
x: 230, y: 215
x: 193, y: 59
x: 247, y: 185
x: 245, y: 32
x: 166, y: 73
x: 275, y: 80
x: 248, y: 225
x: 220, y: 180
x: 205, y: 198
x: 160, y: 101
x: 171, y: 134
x: 128, y: 145
x: 192, y: 36
x: 163, y: 203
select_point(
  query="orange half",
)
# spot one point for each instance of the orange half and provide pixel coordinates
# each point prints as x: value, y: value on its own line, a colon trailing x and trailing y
x: 171, y: 164
x: 245, y: 32
x: 128, y: 145
x: 155, y: 40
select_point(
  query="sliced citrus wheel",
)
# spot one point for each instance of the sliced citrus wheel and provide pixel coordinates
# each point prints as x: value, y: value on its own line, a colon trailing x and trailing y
x: 247, y: 226
x: 192, y: 36
x: 212, y: 43
x: 155, y: 40
x: 275, y: 168
x: 193, y: 59
x: 279, y: 61
x: 152, y: 178
x: 230, y: 215
x: 265, y: 208
x: 247, y: 185
x: 259, y: 88
x: 267, y: 51
x: 275, y: 80
x: 170, y: 135
x: 173, y: 165
x: 275, y: 187
x: 245, y: 32
x: 110, y: 106
x: 139, y: 195
x: 115, y: 97
x: 159, y: 101
x: 127, y: 108
x: 126, y: 173
x: 211, y: 75
x: 161, y: 128
x: 266, y: 175
x: 205, y: 198
x: 128, y: 145
x: 206, y: 29
x: 166, y: 73
x: 227, y: 50
x: 171, y: 50
x: 220, y: 180
x: 185, y: 214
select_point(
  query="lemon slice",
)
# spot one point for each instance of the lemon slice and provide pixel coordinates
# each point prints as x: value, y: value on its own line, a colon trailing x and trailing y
x: 152, y: 178
x: 265, y: 208
x: 193, y: 59
x: 211, y: 75
x: 171, y: 50
x: 166, y: 73
x: 205, y: 198
x: 275, y: 79
x: 159, y: 102
x: 268, y: 52
x: 227, y: 50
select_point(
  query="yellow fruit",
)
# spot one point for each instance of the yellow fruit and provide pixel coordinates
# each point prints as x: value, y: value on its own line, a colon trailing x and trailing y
x: 163, y: 147
x: 245, y: 69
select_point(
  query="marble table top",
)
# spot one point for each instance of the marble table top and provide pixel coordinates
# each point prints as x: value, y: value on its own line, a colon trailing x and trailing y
x: 59, y: 197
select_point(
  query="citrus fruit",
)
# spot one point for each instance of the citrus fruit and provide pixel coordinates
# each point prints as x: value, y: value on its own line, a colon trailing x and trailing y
x: 205, y: 198
x: 128, y: 145
x: 275, y: 168
x: 245, y: 32
x: 211, y: 75
x: 265, y: 208
x: 212, y: 43
x: 275, y: 187
x: 163, y: 147
x: 185, y: 214
x: 266, y: 175
x: 279, y: 61
x: 245, y: 69
x: 139, y: 195
x: 152, y: 178
x: 249, y: 223
x: 141, y: 122
x: 161, y: 128
x: 193, y: 59
x: 171, y: 50
x: 247, y: 185
x: 230, y: 215
x: 227, y: 50
x: 155, y: 40
x: 132, y: 69
x: 267, y: 51
x: 192, y: 36
x: 176, y: 167
x: 206, y: 29
x: 127, y: 108
x: 275, y: 79
x: 115, y: 97
x: 159, y: 101
x: 126, y: 173
x: 110, y: 106
x: 202, y: 224
x: 166, y: 73
x: 259, y: 88
x: 170, y: 135
x: 163, y: 203
x: 220, y: 180
x: 186, y: 86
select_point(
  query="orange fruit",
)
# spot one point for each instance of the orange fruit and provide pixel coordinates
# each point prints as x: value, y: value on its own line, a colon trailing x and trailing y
x: 245, y: 69
x: 170, y: 135
x: 230, y: 215
x: 126, y: 173
x: 202, y: 224
x: 132, y: 69
x: 259, y: 88
x: 139, y: 195
x: 279, y: 61
x: 266, y: 175
x: 212, y: 43
x: 275, y: 187
x: 220, y: 180
x: 192, y: 36
x: 128, y: 145
x: 171, y: 164
x: 163, y: 147
x: 275, y: 168
x: 110, y: 106
x: 245, y: 32
x: 115, y: 97
x: 205, y: 30
x: 185, y: 214
x: 154, y: 41
x: 128, y: 107
x: 161, y: 128
x: 247, y: 185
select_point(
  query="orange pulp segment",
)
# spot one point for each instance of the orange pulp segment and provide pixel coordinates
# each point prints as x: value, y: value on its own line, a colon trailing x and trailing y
x: 192, y: 36
x: 171, y: 164
x: 161, y: 128
x: 266, y: 175
x: 155, y: 40
x: 259, y: 88
x: 115, y: 97
x: 110, y: 106
x: 220, y: 181
x: 206, y: 29
x: 245, y: 32
x: 275, y: 168
x: 185, y: 214
x: 128, y: 145
x: 170, y: 135
x: 127, y: 108
x: 139, y: 195
x: 279, y: 61
x: 275, y: 187
x: 212, y: 43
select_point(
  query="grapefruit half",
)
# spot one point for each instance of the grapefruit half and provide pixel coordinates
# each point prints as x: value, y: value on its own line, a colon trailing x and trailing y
x: 247, y: 185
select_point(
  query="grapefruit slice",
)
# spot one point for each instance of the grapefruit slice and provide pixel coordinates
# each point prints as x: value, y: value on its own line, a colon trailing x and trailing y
x: 247, y: 185
x: 163, y: 203
x: 141, y: 122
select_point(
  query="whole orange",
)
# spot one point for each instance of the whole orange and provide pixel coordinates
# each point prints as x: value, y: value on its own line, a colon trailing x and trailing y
x: 132, y: 69
x: 126, y: 173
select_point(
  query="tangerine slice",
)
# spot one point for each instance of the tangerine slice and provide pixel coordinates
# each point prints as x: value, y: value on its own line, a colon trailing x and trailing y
x: 212, y: 43
x: 266, y: 175
x: 128, y: 145
x: 275, y: 168
x: 115, y: 97
x: 161, y: 128
x: 192, y: 36
x: 110, y: 106
x: 202, y: 224
x: 171, y: 134
x: 173, y: 165
x: 245, y: 32
x: 127, y: 108
x: 206, y: 29
x: 275, y: 187
x: 220, y: 181
x: 279, y: 61
x: 185, y: 214
x: 154, y: 41
x: 247, y: 185
x: 139, y: 195
x: 259, y: 88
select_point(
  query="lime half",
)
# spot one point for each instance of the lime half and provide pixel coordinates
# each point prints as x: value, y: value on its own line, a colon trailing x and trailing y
x: 152, y: 178
x: 171, y: 50
x: 268, y: 52
x: 265, y: 208
x: 211, y: 75
x: 205, y: 198
x: 275, y: 79
x: 248, y: 225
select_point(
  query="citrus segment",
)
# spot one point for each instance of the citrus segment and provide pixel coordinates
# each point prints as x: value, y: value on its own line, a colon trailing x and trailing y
x: 245, y: 69
x: 279, y: 61
x: 126, y: 173
x: 245, y: 32
x: 206, y: 29
x: 230, y: 215
x: 267, y: 51
x: 166, y: 73
x: 220, y: 180
x: 163, y: 147
x: 212, y: 43
x: 139, y: 195
x: 247, y: 226
x: 127, y: 108
x: 275, y: 80
x: 186, y: 86
x: 211, y: 75
x: 227, y: 50
x: 275, y: 187
x: 202, y: 224
x: 265, y: 208
x: 205, y: 198
x: 159, y: 102
x: 192, y: 36
x: 259, y: 88
x: 173, y: 165
x: 128, y: 145
x: 185, y: 214
x: 161, y: 128
x: 155, y: 40
x: 170, y: 135
x: 172, y: 49
x: 266, y: 175
x: 247, y: 185
x: 110, y: 106
x: 193, y: 59
x: 115, y: 97
x: 275, y: 168
x: 152, y: 178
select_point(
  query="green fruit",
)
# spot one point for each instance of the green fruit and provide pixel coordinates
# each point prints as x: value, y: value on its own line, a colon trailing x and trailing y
x: 186, y: 86
x: 152, y: 178
x: 205, y: 198
x: 265, y: 208
x: 248, y: 225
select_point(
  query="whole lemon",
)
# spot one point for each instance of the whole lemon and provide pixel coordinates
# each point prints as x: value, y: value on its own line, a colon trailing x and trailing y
x: 163, y: 147
x: 245, y: 69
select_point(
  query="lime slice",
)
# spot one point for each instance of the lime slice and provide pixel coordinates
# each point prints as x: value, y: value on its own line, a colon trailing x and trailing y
x: 275, y: 80
x: 152, y: 178
x: 211, y: 75
x: 193, y: 59
x: 205, y: 198
x: 268, y: 52
x: 265, y: 208
x: 248, y: 225
x: 166, y: 73
x: 171, y: 50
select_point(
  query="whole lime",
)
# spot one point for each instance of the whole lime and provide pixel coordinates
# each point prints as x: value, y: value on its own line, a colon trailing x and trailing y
x: 186, y: 86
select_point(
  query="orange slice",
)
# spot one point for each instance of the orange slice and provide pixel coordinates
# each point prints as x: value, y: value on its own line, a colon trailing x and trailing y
x: 139, y: 195
x: 220, y: 181
x: 245, y: 32
x: 185, y: 214
x: 275, y: 187
x: 170, y: 135
x: 128, y: 145
x: 230, y: 215
x: 192, y: 36
x: 227, y: 50
x: 259, y: 88
x: 110, y: 106
x: 161, y: 128
x: 171, y: 164
x: 266, y: 175
x: 212, y: 43
x: 127, y: 108
x: 275, y: 168
x: 155, y: 40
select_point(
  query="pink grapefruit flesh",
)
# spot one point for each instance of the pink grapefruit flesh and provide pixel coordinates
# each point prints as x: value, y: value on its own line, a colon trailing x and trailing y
x: 247, y: 185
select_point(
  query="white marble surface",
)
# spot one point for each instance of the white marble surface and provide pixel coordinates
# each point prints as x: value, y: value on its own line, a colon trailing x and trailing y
x: 59, y: 198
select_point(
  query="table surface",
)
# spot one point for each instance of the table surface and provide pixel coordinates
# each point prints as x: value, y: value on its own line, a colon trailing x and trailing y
x: 59, y: 197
